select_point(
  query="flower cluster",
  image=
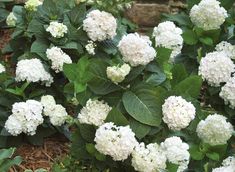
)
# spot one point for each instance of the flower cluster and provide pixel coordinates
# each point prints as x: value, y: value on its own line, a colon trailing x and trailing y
x: 56, y: 112
x: 117, y: 74
x: 26, y: 117
x: 95, y: 112
x: 228, y: 165
x: 136, y: 50
x: 58, y: 58
x: 57, y: 30
x: 90, y: 47
x: 2, y: 68
x: 176, y: 152
x: 167, y: 35
x: 32, y: 5
x: 216, y: 68
x: 11, y: 19
x: 32, y: 70
x: 100, y: 25
x: 228, y: 92
x: 227, y: 48
x: 208, y: 14
x: 177, y: 112
x: 148, y: 159
x: 117, y: 142
x: 214, y: 130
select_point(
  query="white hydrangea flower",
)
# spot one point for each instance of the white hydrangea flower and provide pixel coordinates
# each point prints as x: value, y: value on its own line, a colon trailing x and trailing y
x: 90, y: 47
x: 224, y: 169
x: 57, y: 30
x: 208, y: 14
x: 32, y: 5
x: 228, y: 165
x: 177, y: 112
x: 148, y: 159
x: 214, y: 130
x: 117, y: 74
x: 13, y: 126
x: 26, y: 117
x: 32, y: 70
x: 95, y: 112
x: 136, y: 49
x: 48, y: 101
x: 216, y: 68
x: 176, y: 152
x: 57, y: 113
x: 167, y: 35
x: 227, y: 48
x: 11, y: 19
x: 117, y: 142
x: 100, y: 25
x: 2, y: 68
x: 58, y: 58
x: 228, y: 92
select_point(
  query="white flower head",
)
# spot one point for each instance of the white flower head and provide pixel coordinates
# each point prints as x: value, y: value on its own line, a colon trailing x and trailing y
x: 48, y: 100
x: 216, y: 68
x: 11, y: 19
x: 58, y: 58
x: 90, y: 47
x: 208, y: 14
x: 136, y: 49
x: 2, y: 68
x: 57, y: 30
x: 228, y: 92
x: 32, y: 70
x: 176, y: 152
x: 95, y: 112
x: 177, y: 112
x: 227, y: 48
x: 228, y: 165
x: 32, y: 5
x: 100, y: 25
x: 117, y: 74
x: 167, y: 35
x: 26, y: 117
x: 148, y: 159
x: 56, y: 112
x: 117, y: 142
x: 214, y: 130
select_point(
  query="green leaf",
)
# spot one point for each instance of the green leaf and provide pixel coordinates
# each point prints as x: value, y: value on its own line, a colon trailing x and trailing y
x: 100, y: 84
x: 117, y: 117
x: 39, y: 47
x: 6, y: 153
x: 140, y: 130
x: 90, y: 148
x: 134, y: 73
x: 190, y: 86
x: 172, y: 167
x: 191, y: 3
x: 190, y: 37
x: 195, y: 153
x: 9, y: 163
x: 181, y: 19
x: 143, y: 106
x: 213, y: 156
x: 156, y: 79
x: 77, y: 15
x: 206, y: 40
x: 163, y: 55
x: 179, y: 73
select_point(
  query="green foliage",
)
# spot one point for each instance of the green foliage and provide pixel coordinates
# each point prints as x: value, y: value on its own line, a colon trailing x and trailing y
x: 7, y: 160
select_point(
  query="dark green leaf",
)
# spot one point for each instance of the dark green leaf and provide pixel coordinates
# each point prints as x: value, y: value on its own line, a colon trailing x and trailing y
x: 117, y: 117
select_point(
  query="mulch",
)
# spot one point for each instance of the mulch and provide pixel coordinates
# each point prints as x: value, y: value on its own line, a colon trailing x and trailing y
x: 35, y: 157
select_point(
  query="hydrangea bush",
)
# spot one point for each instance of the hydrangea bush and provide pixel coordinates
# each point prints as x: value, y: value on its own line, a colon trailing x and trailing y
x: 127, y: 101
